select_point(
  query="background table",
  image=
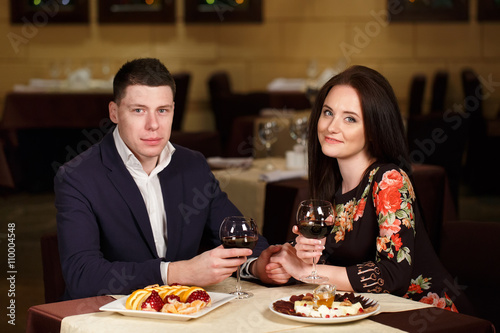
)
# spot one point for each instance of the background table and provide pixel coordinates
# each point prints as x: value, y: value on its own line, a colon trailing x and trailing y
x: 40, y: 131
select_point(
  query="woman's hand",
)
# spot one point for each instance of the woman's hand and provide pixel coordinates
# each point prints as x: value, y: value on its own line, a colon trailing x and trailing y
x: 298, y: 268
x: 308, y: 248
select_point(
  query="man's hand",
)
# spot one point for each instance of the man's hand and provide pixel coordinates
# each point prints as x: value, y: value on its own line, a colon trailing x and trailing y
x: 288, y: 260
x: 268, y: 272
x: 208, y: 268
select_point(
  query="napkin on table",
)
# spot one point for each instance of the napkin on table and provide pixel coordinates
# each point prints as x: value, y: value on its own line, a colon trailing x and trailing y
x: 274, y: 176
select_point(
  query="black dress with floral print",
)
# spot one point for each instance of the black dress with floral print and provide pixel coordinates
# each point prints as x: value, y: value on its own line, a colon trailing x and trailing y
x: 380, y: 238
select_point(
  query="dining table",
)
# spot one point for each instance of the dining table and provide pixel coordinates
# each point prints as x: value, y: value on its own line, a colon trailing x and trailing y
x: 254, y: 314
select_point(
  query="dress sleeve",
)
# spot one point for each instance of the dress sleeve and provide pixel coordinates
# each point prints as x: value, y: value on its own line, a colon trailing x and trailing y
x: 390, y: 272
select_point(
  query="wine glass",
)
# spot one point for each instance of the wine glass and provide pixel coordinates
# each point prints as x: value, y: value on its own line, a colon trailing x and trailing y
x: 268, y: 135
x: 239, y: 232
x: 315, y: 219
x: 298, y: 130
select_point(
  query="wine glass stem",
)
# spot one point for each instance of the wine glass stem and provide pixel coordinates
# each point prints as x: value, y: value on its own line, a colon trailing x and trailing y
x: 268, y: 150
x: 238, y: 284
x: 314, y: 273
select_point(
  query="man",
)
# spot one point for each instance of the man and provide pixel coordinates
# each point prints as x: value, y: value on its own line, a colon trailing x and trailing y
x: 134, y: 209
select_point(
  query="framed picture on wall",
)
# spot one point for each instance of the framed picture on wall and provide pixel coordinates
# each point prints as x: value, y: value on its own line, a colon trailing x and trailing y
x: 41, y: 12
x: 136, y: 11
x: 428, y: 11
x: 223, y: 11
x: 488, y: 10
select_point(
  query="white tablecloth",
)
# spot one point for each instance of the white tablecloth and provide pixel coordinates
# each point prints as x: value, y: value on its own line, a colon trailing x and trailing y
x: 247, y: 315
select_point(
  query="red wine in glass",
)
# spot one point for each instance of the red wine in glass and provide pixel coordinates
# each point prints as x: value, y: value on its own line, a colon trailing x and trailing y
x: 239, y: 232
x: 315, y: 219
x: 231, y: 242
x: 314, y: 229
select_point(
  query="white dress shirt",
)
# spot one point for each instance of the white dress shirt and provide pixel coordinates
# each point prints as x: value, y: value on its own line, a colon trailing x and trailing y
x: 150, y: 188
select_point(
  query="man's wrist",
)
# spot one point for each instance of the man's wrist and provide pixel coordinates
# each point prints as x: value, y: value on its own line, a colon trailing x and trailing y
x: 164, y: 272
x: 246, y: 269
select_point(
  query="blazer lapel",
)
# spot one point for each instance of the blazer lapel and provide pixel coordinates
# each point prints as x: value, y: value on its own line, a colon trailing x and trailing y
x: 125, y: 185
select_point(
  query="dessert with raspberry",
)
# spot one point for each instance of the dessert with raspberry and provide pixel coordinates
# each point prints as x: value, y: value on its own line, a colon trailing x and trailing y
x: 153, y: 302
x: 169, y: 299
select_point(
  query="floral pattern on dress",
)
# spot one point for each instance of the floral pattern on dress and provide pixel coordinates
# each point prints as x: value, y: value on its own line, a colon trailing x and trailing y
x: 350, y: 212
x: 422, y: 284
x: 440, y: 302
x: 393, y: 197
x: 418, y: 286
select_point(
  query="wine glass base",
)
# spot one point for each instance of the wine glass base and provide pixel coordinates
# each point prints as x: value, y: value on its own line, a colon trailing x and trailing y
x: 314, y: 279
x: 241, y: 294
x: 269, y: 167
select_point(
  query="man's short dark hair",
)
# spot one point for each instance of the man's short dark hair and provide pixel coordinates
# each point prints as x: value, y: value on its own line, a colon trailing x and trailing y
x: 144, y: 71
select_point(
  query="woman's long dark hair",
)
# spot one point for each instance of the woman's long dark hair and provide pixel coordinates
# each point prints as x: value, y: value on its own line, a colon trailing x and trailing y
x: 382, y: 120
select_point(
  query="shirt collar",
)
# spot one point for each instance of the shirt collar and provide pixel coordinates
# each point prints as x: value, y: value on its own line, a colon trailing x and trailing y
x: 131, y: 161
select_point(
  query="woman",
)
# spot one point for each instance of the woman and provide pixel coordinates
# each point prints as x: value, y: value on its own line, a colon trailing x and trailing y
x: 358, y: 159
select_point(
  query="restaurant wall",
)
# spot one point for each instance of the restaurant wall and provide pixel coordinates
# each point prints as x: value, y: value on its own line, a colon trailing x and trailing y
x: 333, y: 33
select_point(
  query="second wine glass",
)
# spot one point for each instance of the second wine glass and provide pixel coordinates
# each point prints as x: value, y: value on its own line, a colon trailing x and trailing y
x: 268, y: 135
x: 315, y: 219
x: 239, y: 232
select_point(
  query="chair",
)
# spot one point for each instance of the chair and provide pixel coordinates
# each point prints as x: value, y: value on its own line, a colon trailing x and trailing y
x: 417, y: 90
x: 470, y: 252
x: 434, y: 199
x: 434, y: 139
x: 228, y: 105
x: 282, y: 199
x: 478, y: 147
x: 182, y: 81
x: 6, y: 179
x: 439, y: 86
x: 207, y: 143
x: 53, y: 280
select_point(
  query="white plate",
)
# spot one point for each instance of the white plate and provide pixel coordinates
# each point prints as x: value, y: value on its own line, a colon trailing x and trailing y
x: 336, y: 320
x: 218, y: 299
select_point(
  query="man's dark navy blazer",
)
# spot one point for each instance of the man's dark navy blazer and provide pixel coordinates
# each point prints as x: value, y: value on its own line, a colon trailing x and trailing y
x: 105, y: 238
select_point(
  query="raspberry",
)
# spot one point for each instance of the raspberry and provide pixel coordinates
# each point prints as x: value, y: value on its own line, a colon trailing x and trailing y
x: 199, y: 294
x: 153, y: 302
x: 172, y: 298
